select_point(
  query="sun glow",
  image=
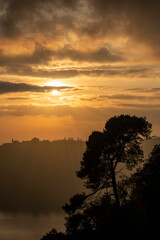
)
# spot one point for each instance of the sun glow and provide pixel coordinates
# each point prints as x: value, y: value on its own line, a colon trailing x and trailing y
x: 55, y: 93
x: 55, y: 83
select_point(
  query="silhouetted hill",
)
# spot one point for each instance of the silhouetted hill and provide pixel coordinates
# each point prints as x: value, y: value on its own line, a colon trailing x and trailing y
x: 39, y: 176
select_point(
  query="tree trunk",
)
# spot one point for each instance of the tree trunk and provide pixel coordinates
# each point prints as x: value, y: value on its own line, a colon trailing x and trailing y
x: 115, y: 191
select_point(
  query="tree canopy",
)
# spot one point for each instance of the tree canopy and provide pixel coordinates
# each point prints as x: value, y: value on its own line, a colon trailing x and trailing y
x: 119, y: 143
x: 128, y: 206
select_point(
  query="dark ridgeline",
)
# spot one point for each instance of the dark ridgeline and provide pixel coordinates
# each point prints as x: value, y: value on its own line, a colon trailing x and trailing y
x: 125, y: 189
x: 36, y: 177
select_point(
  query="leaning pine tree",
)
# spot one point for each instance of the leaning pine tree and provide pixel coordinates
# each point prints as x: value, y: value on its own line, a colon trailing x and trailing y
x: 118, y: 146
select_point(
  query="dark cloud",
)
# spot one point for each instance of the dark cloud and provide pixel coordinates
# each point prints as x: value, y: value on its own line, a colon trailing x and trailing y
x: 122, y: 97
x: 137, y: 19
x: 103, y: 72
x: 151, y: 90
x: 30, y: 14
x: 9, y: 87
x: 18, y: 98
x: 40, y: 55
x: 121, y: 71
x: 154, y: 90
x: 29, y: 71
x: 43, y: 55
x: 142, y: 106
x: 100, y: 55
x: 95, y: 71
x: 48, y: 73
x: 130, y: 97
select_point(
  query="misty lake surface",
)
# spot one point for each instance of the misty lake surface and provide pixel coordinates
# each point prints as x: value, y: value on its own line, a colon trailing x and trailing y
x: 27, y: 227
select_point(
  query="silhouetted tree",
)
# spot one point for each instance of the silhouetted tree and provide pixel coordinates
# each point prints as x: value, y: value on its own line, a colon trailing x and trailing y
x: 53, y: 235
x: 117, y: 205
x: 120, y: 142
x: 145, y: 191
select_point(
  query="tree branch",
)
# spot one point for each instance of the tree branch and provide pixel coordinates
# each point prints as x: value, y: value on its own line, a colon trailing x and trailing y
x: 100, y: 188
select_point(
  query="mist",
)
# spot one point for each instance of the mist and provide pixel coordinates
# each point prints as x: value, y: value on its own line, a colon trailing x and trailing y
x: 37, y: 177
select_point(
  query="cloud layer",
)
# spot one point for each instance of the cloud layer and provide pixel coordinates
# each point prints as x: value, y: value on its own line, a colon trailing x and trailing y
x: 139, y: 20
x: 9, y: 87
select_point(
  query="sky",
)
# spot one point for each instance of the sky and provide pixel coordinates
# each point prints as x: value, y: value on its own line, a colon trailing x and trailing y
x: 66, y: 66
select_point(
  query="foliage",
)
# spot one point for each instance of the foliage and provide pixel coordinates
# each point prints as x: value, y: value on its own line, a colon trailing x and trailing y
x: 53, y: 235
x: 75, y: 202
x: 145, y: 186
x: 95, y: 216
x: 119, y: 143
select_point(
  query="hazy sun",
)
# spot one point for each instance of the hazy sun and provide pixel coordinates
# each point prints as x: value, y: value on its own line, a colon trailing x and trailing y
x: 55, y: 92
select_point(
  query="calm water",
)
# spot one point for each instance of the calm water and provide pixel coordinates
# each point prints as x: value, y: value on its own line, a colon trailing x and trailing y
x: 28, y: 227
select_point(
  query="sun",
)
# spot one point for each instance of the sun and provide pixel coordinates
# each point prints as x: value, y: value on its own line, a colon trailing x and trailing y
x: 57, y: 84
x: 55, y: 92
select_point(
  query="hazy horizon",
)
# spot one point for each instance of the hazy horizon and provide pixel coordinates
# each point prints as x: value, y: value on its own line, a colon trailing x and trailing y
x: 84, y: 139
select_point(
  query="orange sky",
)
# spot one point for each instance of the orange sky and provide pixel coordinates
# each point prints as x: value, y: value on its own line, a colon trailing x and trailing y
x: 68, y: 66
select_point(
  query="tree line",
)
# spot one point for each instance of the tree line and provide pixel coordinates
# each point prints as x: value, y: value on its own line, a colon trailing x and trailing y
x: 123, y: 188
